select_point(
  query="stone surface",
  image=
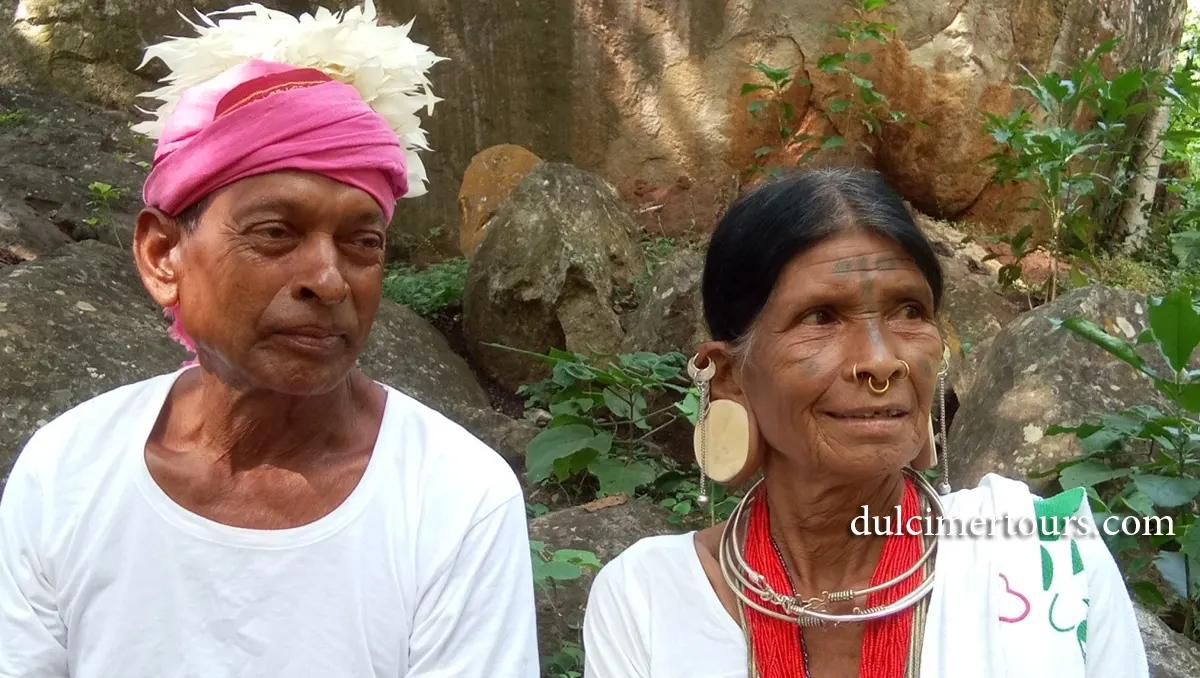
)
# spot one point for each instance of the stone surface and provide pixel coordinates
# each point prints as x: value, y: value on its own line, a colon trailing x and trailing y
x: 409, y: 354
x: 73, y: 324
x: 1033, y: 375
x: 505, y: 435
x: 606, y: 532
x: 650, y: 90
x: 487, y: 183
x: 52, y: 149
x: 670, y: 316
x: 77, y: 322
x: 1170, y: 654
x: 23, y: 234
x: 543, y: 278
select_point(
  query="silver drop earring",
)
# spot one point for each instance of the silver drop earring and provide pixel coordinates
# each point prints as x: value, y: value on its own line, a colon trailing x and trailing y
x: 701, y: 379
x: 943, y: 458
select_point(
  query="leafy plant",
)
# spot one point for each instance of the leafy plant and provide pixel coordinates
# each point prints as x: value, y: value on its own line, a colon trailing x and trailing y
x: 1143, y: 462
x: 680, y: 493
x: 12, y: 118
x: 550, y: 567
x: 602, y: 426
x: 1073, y: 146
x: 429, y: 290
x: 566, y: 663
x: 862, y: 104
x: 102, y: 196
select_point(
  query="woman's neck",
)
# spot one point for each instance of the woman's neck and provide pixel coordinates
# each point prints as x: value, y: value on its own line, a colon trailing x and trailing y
x: 812, y: 525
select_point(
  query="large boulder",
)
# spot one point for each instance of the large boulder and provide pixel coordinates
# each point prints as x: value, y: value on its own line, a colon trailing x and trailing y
x: 973, y: 310
x: 1171, y: 655
x: 670, y: 314
x: 68, y: 171
x: 543, y: 276
x: 487, y: 183
x: 650, y: 91
x: 1033, y: 375
x: 77, y: 322
x: 601, y: 528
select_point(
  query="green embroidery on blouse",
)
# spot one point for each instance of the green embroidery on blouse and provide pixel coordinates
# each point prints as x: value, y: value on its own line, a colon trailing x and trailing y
x: 1052, y: 513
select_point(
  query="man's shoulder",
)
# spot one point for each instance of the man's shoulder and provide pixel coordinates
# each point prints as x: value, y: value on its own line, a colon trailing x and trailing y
x: 444, y: 450
x: 82, y: 433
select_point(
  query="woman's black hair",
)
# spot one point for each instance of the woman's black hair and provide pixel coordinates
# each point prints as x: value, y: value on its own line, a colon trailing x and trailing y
x: 772, y: 224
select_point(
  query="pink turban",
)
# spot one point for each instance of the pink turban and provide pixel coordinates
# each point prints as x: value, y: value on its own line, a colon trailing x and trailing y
x: 263, y: 117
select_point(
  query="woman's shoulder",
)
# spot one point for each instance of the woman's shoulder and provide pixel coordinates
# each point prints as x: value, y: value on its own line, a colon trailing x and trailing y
x: 653, y: 556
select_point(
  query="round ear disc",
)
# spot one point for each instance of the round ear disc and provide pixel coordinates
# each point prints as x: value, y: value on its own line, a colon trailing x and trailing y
x: 728, y: 427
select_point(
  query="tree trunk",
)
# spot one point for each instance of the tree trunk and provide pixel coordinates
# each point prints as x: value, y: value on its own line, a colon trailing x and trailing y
x: 1146, y: 165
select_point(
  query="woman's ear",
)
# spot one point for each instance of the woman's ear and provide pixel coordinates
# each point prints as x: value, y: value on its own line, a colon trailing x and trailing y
x: 728, y: 445
x: 156, y: 242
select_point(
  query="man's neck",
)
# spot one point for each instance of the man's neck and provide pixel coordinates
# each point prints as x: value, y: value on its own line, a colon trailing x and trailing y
x: 244, y: 428
x: 812, y: 524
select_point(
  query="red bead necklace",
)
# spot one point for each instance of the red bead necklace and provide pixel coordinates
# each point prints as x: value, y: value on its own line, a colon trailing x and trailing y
x: 778, y: 647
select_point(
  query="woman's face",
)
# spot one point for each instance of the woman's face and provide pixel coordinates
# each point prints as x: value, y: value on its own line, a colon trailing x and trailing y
x: 856, y: 301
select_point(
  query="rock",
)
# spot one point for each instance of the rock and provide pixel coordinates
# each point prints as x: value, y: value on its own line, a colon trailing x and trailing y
x: 24, y: 235
x: 73, y: 324
x: 651, y: 91
x: 543, y: 278
x: 69, y: 171
x: 77, y: 322
x: 503, y: 434
x: 407, y: 353
x: 606, y: 532
x: 1171, y: 654
x: 670, y: 316
x: 487, y: 183
x: 1034, y: 375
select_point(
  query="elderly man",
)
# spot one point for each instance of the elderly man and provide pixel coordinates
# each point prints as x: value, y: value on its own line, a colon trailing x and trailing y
x: 269, y: 511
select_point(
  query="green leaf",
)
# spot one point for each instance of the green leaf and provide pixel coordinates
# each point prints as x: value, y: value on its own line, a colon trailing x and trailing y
x: 750, y: 88
x: 775, y: 75
x: 1189, y: 543
x: 1186, y: 247
x: 1166, y: 491
x: 756, y: 107
x: 1173, y: 568
x: 559, y: 570
x: 872, y: 5
x: 618, y: 402
x: 1140, y: 503
x: 1176, y: 326
x: 831, y: 63
x: 1148, y: 594
x: 616, y: 477
x: 763, y: 150
x: 578, y: 557
x: 553, y: 444
x: 1078, y: 277
x: 838, y: 105
x: 1114, y: 345
x: 1089, y: 473
x: 833, y: 142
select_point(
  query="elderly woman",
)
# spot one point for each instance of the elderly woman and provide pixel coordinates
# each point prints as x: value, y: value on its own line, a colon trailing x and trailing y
x: 842, y: 560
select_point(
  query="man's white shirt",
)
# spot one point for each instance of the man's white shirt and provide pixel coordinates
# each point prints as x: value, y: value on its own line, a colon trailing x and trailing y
x: 423, y: 571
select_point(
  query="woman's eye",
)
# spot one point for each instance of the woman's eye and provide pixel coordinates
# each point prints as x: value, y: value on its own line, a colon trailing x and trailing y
x: 371, y: 242
x: 913, y: 311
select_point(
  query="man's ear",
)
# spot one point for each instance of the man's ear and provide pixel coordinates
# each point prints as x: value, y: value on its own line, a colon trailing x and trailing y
x: 157, y: 239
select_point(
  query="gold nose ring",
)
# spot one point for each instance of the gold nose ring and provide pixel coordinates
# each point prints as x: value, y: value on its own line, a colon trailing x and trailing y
x: 878, y: 391
x: 906, y: 370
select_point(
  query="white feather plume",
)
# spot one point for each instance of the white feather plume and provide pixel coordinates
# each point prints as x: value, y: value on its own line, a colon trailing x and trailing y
x: 386, y: 67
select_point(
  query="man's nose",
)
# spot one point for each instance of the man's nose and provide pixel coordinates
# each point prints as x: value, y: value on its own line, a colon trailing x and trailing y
x: 321, y: 278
